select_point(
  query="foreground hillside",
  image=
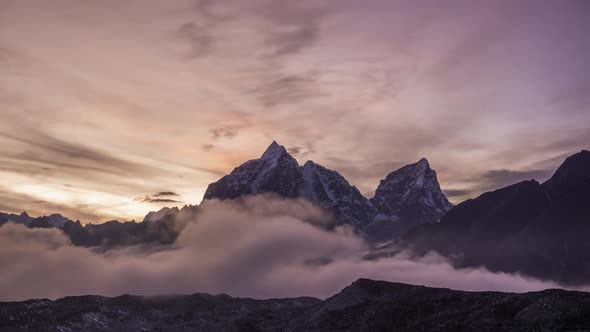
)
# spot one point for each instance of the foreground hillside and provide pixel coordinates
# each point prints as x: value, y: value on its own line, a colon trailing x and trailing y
x: 365, y: 305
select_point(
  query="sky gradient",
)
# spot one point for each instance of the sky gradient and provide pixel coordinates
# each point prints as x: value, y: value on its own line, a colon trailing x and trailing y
x: 113, y: 108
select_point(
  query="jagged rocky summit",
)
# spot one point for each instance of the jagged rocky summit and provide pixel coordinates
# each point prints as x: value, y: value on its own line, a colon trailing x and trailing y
x: 407, y: 197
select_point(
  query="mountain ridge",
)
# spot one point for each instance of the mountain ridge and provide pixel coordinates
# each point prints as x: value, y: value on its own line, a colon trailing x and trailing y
x: 276, y: 171
x: 364, y: 305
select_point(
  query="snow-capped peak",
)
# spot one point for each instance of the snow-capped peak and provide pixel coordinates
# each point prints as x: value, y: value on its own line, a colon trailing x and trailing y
x: 413, y: 187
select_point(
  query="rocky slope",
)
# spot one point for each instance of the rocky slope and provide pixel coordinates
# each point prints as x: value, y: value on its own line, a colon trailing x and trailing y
x: 365, y: 305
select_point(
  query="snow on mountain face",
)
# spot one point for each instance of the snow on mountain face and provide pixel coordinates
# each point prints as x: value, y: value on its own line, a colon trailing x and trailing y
x: 412, y: 186
x: 328, y: 189
x: 276, y: 171
x: 407, y: 197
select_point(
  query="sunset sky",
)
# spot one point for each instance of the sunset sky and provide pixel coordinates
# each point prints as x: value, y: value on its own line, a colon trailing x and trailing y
x: 110, y: 109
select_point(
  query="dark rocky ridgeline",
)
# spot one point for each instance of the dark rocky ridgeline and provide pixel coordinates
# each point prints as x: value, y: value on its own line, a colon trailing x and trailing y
x: 162, y: 230
x: 541, y: 230
x: 41, y: 222
x: 407, y: 197
x: 162, y: 227
x: 115, y: 233
x: 366, y: 305
x: 23, y: 218
x: 52, y: 221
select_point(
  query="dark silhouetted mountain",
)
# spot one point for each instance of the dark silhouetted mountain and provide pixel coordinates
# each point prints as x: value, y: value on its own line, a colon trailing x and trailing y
x: 54, y: 220
x: 57, y: 220
x: 366, y: 305
x: 23, y: 218
x: 536, y: 229
x: 407, y: 197
x: 112, y: 233
x: 41, y: 222
x: 572, y: 178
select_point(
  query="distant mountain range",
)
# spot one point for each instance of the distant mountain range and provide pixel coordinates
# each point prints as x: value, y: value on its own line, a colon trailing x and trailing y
x: 52, y: 221
x: 541, y: 230
x: 406, y: 198
x: 157, y: 228
x: 366, y: 305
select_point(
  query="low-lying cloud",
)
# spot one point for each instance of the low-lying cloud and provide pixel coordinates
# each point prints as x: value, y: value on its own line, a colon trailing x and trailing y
x: 259, y: 247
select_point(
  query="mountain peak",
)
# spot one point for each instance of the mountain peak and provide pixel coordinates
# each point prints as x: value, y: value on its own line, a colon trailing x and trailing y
x: 274, y: 150
x: 413, y: 172
x: 412, y: 193
x: 311, y: 164
x: 573, y: 175
x: 420, y: 166
x: 423, y: 162
x: 276, y: 172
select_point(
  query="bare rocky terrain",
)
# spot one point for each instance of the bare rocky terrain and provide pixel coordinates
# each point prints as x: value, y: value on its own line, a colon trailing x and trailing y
x: 366, y: 305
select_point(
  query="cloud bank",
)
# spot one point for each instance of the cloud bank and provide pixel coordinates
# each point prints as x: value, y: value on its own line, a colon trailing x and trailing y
x: 259, y: 247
